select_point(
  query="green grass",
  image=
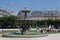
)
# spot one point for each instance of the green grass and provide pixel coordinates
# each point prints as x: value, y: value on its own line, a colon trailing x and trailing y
x: 0, y: 32
x: 11, y: 31
x: 33, y: 32
x: 54, y: 32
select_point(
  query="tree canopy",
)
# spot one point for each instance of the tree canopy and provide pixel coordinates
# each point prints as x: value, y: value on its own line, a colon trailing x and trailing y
x: 7, y: 21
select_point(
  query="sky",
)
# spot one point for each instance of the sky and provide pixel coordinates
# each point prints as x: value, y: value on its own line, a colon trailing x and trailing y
x: 17, y: 5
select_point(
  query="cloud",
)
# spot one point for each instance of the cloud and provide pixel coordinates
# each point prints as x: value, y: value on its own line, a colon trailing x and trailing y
x: 11, y: 2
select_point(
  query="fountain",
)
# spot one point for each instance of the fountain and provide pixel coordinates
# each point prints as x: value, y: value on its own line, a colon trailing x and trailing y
x: 23, y: 28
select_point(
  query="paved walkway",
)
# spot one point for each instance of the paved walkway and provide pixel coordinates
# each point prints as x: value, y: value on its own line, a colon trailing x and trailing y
x: 49, y: 37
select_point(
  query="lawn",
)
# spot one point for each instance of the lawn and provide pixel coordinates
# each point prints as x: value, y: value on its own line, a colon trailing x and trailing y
x: 33, y: 32
x: 54, y: 32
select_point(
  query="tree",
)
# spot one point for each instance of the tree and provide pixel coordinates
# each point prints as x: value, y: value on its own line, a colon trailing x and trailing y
x: 8, y: 21
x: 49, y: 22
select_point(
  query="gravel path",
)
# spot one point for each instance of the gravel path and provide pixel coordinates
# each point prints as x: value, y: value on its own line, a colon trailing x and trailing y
x: 49, y: 37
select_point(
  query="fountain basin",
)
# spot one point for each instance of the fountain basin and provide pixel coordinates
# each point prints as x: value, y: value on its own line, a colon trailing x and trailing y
x: 18, y: 35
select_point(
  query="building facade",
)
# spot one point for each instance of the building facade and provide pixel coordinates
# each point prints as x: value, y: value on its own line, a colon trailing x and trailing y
x: 42, y: 15
x: 6, y: 13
